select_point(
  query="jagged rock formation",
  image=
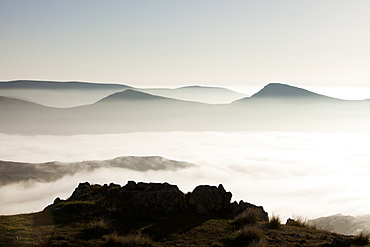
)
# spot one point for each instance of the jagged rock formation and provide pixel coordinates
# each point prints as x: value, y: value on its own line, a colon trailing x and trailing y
x: 154, y: 197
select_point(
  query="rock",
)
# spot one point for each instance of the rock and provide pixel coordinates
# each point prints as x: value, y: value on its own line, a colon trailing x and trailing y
x: 159, y: 197
x: 79, y: 191
x: 238, y: 208
x: 290, y: 222
x: 226, y: 196
x: 205, y: 199
x: 156, y: 197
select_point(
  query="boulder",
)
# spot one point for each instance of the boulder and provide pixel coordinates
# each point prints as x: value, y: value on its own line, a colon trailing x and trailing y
x: 238, y: 208
x: 205, y: 199
x: 158, y: 197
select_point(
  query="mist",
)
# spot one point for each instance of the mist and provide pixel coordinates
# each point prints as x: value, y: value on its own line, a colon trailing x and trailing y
x: 308, y: 174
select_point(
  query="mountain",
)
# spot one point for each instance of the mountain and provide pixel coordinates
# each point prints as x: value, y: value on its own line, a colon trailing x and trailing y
x: 14, y: 172
x: 210, y: 95
x: 54, y: 93
x: 286, y: 92
x: 344, y: 224
x: 117, y: 113
x: 277, y: 107
x: 58, y: 85
x: 129, y: 95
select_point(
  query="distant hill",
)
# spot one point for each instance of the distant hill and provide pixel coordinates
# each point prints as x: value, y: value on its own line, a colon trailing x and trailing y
x: 344, y: 224
x: 58, y: 85
x: 59, y: 94
x: 211, y: 95
x: 130, y: 94
x: 286, y: 92
x: 277, y: 107
x: 14, y: 172
x: 55, y: 93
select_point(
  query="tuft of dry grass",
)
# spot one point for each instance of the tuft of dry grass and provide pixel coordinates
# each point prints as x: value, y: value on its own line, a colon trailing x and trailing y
x: 250, y: 234
x: 96, y: 228
x: 274, y: 222
x: 99, y: 224
x: 362, y: 239
x: 301, y: 221
x: 115, y: 240
x: 249, y: 216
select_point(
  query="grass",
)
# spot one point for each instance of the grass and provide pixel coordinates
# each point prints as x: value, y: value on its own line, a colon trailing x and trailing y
x: 247, y: 217
x: 274, y: 222
x: 96, y: 229
x: 362, y: 239
x: 26, y: 229
x: 36, y: 230
x: 250, y: 235
x: 301, y: 221
x: 113, y: 240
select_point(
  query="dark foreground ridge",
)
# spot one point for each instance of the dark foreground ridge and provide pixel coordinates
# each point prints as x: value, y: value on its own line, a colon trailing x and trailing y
x: 159, y: 214
x: 159, y: 198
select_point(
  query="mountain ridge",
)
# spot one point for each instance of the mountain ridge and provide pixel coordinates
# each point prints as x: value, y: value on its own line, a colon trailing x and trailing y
x: 282, y: 90
x: 131, y: 94
x: 131, y: 110
x: 37, y: 84
x: 14, y: 172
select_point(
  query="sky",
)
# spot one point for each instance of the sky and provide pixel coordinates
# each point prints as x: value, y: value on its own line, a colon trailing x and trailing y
x: 175, y: 43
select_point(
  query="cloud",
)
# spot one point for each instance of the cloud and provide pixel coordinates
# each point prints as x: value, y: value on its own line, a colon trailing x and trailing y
x: 307, y: 174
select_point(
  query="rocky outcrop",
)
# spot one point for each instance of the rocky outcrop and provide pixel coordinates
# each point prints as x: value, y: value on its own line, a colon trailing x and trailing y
x: 205, y: 199
x: 238, y: 208
x: 155, y: 197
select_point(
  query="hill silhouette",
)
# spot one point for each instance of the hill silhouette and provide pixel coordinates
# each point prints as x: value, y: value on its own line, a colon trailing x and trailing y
x: 285, y: 92
x: 279, y: 90
x: 130, y: 94
x: 59, y: 94
x: 14, y: 172
x: 59, y: 85
x: 277, y: 107
x: 54, y: 93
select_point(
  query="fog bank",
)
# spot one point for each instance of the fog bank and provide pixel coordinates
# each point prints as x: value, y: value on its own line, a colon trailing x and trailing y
x: 289, y: 174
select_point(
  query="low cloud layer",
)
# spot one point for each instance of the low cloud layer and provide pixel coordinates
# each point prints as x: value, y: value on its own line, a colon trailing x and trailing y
x: 289, y: 174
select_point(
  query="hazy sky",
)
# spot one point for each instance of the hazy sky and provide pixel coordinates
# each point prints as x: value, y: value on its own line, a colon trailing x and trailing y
x: 175, y: 43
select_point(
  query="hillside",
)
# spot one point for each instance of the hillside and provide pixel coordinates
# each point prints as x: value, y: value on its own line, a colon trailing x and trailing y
x: 277, y: 107
x: 14, y: 172
x: 280, y: 90
x: 59, y: 94
x: 155, y: 214
x: 55, y: 93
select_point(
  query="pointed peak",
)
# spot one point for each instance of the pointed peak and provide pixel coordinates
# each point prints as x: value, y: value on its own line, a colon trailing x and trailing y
x: 280, y: 90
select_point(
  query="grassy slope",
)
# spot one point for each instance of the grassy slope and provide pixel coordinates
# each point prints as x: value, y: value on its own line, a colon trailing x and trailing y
x: 43, y: 229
